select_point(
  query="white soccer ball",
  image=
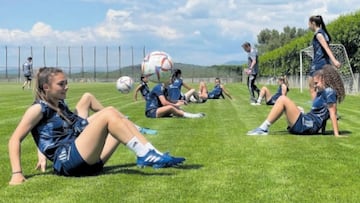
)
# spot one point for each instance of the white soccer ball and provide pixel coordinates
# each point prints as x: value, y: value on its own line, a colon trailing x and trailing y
x: 157, y: 66
x: 125, y: 84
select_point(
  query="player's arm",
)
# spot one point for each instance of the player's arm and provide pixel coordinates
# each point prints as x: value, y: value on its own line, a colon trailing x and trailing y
x: 332, y: 111
x: 187, y: 86
x: 226, y: 92
x: 31, y: 117
x: 326, y: 47
x: 283, y: 89
x: 136, y: 92
x: 166, y: 102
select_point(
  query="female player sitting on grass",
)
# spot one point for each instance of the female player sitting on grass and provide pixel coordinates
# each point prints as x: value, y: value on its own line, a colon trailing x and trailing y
x: 158, y: 106
x: 271, y: 99
x: 76, y: 143
x: 216, y: 93
x: 174, y: 88
x: 330, y: 91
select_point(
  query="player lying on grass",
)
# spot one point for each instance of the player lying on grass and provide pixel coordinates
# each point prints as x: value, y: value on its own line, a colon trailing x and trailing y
x: 76, y: 143
x: 157, y: 104
x: 330, y: 91
x: 218, y: 91
x: 271, y: 99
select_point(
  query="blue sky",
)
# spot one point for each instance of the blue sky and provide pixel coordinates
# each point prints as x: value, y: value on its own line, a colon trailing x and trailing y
x: 204, y: 32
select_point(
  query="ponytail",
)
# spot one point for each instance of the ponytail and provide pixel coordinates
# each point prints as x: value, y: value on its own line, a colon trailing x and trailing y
x: 319, y: 22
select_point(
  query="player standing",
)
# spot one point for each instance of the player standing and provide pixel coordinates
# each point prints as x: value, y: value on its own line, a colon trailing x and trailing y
x: 252, y: 70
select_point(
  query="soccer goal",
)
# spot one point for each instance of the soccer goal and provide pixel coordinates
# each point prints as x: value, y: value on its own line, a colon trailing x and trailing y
x: 339, y: 51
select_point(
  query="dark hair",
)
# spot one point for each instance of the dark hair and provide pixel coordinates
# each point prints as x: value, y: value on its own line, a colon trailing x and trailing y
x: 332, y: 78
x: 175, y: 74
x: 29, y: 58
x: 318, y: 20
x: 246, y: 44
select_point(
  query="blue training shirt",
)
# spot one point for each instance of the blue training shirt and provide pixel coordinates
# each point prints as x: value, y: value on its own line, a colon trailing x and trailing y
x: 320, y: 56
x: 153, y: 101
x: 174, y: 90
x: 278, y: 93
x: 54, y: 131
x: 216, y: 92
x: 319, y: 110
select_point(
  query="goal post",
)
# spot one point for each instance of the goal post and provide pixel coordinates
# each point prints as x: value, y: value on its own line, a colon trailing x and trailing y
x: 339, y: 51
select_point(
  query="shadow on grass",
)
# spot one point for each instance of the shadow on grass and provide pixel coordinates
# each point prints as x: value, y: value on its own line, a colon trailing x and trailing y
x: 127, y: 169
x: 326, y: 133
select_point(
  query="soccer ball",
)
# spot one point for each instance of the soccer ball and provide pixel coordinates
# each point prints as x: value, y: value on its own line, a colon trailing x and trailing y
x: 125, y: 84
x: 157, y: 66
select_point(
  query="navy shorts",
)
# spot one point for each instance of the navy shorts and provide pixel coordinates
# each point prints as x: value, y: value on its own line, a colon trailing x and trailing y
x: 68, y: 162
x: 270, y: 102
x: 304, y: 126
x: 151, y: 113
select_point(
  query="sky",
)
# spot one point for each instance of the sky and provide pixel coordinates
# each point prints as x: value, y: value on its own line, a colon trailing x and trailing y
x: 202, y: 32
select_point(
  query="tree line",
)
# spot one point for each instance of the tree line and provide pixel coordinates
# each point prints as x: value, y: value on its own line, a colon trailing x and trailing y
x: 280, y: 51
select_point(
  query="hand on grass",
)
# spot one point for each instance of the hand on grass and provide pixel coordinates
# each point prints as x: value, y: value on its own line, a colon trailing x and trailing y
x: 17, y: 179
x: 41, y: 165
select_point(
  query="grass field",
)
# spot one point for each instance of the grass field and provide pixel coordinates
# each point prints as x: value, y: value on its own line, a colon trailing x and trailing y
x: 223, y: 163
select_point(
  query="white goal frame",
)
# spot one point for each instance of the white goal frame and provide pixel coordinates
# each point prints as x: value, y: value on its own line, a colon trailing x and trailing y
x: 340, y: 54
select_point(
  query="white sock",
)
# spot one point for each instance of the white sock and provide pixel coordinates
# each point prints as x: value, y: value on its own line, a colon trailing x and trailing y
x: 259, y: 100
x: 151, y: 147
x: 192, y: 115
x: 136, y: 146
x: 265, y: 125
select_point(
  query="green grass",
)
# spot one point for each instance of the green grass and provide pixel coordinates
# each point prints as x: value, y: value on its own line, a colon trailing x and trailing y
x: 223, y: 164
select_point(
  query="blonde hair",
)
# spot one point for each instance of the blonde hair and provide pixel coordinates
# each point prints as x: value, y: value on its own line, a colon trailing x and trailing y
x: 284, y: 80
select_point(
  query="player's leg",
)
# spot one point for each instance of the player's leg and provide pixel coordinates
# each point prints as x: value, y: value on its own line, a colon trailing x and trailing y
x: 203, y: 91
x: 189, y: 93
x: 282, y: 105
x: 251, y: 80
x: 264, y: 93
x: 89, y: 102
x: 93, y: 143
x: 86, y: 103
x: 168, y: 110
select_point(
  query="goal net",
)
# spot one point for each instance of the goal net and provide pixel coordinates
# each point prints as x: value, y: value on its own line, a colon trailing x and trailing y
x: 339, y: 51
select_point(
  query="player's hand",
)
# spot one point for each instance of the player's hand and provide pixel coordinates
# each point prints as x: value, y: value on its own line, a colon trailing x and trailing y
x: 17, y: 179
x: 337, y: 64
x: 41, y: 165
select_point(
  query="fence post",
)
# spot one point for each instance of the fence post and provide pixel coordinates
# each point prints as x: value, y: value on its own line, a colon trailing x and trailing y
x: 95, y: 63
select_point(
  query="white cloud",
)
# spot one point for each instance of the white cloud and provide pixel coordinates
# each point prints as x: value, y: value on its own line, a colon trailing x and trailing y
x: 213, y: 28
x: 41, y: 30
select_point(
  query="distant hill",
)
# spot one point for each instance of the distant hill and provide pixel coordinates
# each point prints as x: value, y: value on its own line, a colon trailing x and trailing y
x: 234, y: 62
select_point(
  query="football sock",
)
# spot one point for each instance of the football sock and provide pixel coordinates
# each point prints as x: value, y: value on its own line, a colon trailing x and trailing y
x: 151, y: 147
x: 192, y: 115
x: 265, y: 125
x: 136, y: 146
x: 259, y: 100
